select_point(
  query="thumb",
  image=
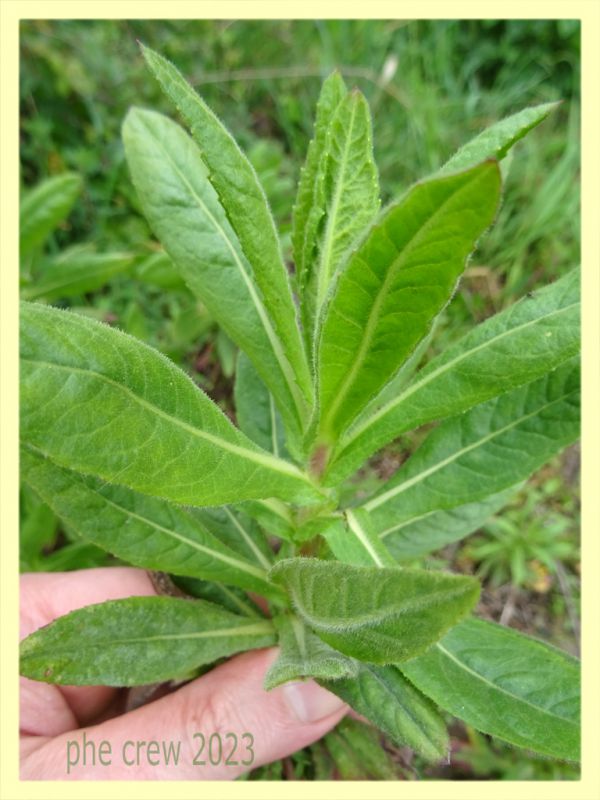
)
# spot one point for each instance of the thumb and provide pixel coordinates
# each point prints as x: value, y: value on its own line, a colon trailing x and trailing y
x: 214, y: 728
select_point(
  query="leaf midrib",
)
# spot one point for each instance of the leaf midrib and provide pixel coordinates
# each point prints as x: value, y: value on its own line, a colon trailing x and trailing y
x: 360, y: 428
x: 483, y: 679
x: 362, y: 537
x: 270, y: 462
x: 402, y: 487
x: 382, y: 292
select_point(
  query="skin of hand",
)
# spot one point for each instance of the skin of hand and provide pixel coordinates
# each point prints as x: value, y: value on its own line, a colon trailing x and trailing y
x: 228, y: 699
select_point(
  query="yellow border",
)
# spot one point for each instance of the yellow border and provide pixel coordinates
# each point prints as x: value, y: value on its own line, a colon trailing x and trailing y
x: 11, y: 12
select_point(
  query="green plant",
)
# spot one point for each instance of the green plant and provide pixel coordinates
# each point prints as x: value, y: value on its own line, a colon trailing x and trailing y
x: 126, y: 450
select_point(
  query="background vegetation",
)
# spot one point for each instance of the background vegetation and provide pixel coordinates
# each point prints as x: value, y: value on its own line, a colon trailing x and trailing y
x: 431, y: 86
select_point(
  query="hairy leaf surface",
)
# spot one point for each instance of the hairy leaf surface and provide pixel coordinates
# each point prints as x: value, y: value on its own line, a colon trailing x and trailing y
x: 512, y: 348
x: 309, y: 206
x: 98, y: 401
x: 304, y: 655
x: 144, y: 531
x: 138, y: 640
x: 488, y: 449
x: 505, y: 684
x: 238, y: 531
x: 381, y: 615
x: 247, y: 209
x: 394, y: 285
x: 186, y: 215
x: 44, y: 207
x: 348, y: 197
x: 497, y: 140
x: 388, y: 700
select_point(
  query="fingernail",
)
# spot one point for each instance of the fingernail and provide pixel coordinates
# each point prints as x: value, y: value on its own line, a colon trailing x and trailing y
x: 308, y: 702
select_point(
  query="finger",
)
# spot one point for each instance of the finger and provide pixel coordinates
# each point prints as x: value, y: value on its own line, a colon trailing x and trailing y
x: 225, y: 704
x: 48, y: 710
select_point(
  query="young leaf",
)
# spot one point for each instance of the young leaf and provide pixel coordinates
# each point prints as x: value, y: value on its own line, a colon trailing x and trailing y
x: 75, y: 271
x: 347, y: 196
x: 256, y: 413
x: 142, y: 530
x: 272, y: 515
x: 435, y: 529
x: 356, y: 542
x: 184, y: 211
x: 243, y: 198
x: 505, y: 684
x: 394, y: 285
x: 512, y: 348
x: 309, y: 205
x: 498, y: 139
x: 482, y: 452
x: 138, y: 640
x: 44, y: 207
x: 375, y: 614
x: 388, y: 700
x: 229, y: 597
x: 304, y: 655
x: 96, y: 400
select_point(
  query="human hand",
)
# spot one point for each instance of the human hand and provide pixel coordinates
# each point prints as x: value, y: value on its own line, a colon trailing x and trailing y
x: 228, y: 699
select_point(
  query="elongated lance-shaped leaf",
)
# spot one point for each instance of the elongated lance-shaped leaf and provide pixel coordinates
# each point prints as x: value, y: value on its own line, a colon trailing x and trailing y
x: 184, y: 211
x: 355, y: 542
x: 394, y: 285
x: 247, y: 209
x: 436, y: 529
x: 43, y: 207
x: 482, y: 452
x: 376, y: 614
x: 505, y: 684
x: 512, y: 348
x: 357, y: 754
x: 75, y: 271
x: 144, y: 531
x: 348, y: 194
x: 304, y: 655
x: 238, y: 531
x: 497, y: 140
x: 309, y: 205
x: 96, y: 400
x: 389, y: 701
x: 138, y: 640
x: 255, y: 409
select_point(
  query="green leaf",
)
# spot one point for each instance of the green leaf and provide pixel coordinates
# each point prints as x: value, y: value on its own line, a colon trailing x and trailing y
x: 186, y: 215
x: 157, y: 269
x: 238, y: 531
x: 488, y: 449
x: 347, y: 198
x: 97, y: 401
x: 272, y: 515
x: 436, y: 529
x: 505, y: 684
x: 389, y: 701
x: 381, y: 615
x: 229, y: 597
x: 510, y: 349
x: 394, y: 285
x: 304, y: 655
x: 144, y: 531
x: 256, y: 413
x: 309, y: 205
x: 358, y: 754
x: 356, y: 542
x: 136, y: 641
x: 247, y: 209
x: 497, y: 140
x: 44, y: 207
x: 76, y: 271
